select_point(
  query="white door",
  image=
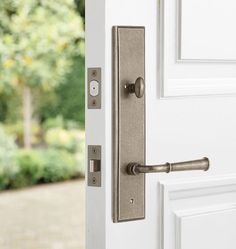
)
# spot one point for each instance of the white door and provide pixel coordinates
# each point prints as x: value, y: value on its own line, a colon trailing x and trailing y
x: 190, y: 77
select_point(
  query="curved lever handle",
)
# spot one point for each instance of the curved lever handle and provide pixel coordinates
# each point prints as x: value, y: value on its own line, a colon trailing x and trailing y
x: 138, y: 87
x: 201, y: 164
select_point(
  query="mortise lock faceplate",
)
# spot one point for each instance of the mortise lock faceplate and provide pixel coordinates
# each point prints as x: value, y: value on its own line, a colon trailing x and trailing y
x: 94, y: 165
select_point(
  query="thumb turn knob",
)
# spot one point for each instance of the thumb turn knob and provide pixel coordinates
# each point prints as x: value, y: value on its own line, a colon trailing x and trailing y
x: 138, y: 87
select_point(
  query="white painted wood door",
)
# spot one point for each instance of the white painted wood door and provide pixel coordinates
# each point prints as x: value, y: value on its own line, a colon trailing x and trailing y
x: 190, y: 113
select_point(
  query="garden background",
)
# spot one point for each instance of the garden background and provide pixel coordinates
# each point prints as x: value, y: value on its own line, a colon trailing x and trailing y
x: 41, y: 91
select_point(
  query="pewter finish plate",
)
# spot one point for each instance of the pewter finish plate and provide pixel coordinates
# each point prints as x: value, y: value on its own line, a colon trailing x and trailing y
x: 128, y: 123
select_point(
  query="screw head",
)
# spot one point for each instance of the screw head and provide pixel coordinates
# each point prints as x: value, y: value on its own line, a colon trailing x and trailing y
x: 94, y: 180
x: 94, y: 73
x: 94, y: 102
x: 94, y: 150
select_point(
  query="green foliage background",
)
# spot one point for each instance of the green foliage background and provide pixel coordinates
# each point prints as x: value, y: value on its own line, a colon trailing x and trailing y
x: 38, y: 39
x: 67, y: 98
x: 42, y: 48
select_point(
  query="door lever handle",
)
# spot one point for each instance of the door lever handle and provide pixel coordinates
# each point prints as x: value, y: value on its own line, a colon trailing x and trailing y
x: 201, y: 164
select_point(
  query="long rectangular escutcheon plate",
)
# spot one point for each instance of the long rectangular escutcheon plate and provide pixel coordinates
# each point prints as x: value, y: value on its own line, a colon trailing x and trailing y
x: 128, y: 123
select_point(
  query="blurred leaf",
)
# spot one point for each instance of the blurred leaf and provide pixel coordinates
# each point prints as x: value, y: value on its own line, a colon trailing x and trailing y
x: 81, y: 7
x: 68, y: 98
x: 38, y: 41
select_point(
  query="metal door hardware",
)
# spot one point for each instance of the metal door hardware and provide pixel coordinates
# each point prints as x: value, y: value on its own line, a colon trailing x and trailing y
x: 138, y: 87
x: 94, y: 88
x: 136, y: 168
x: 94, y: 165
x: 129, y: 118
x: 129, y: 127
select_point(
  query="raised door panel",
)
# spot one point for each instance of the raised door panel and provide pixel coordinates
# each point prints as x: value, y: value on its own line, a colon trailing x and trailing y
x: 197, y: 47
x: 198, y: 214
x: 212, y: 227
x: 206, y: 30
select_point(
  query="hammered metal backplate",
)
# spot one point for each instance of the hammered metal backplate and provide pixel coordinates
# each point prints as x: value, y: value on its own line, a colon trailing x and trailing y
x: 128, y: 123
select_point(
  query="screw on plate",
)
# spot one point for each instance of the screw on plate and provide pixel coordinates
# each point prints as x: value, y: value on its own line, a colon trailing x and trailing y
x: 94, y: 150
x: 94, y: 73
x: 94, y: 102
x: 94, y: 180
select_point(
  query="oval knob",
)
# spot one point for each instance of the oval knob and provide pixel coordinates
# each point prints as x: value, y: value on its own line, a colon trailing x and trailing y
x: 138, y: 87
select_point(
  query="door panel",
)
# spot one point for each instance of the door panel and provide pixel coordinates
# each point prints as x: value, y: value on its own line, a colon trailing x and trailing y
x: 198, y: 53
x: 191, y: 235
x: 198, y: 214
x: 206, y: 31
x: 177, y: 129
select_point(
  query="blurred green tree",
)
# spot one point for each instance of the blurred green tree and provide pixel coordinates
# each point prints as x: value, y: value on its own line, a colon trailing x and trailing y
x: 38, y: 42
x: 80, y: 4
x: 68, y: 98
